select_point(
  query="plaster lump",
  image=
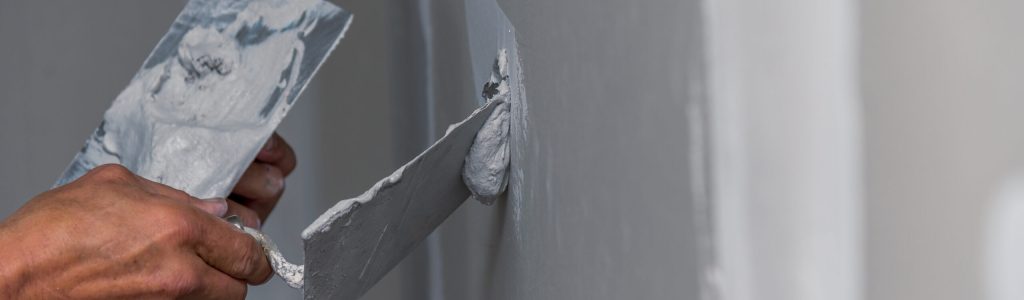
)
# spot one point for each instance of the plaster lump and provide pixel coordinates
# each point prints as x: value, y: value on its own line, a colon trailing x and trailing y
x: 486, y: 168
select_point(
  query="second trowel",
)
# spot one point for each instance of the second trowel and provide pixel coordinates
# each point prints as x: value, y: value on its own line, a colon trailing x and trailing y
x: 356, y: 242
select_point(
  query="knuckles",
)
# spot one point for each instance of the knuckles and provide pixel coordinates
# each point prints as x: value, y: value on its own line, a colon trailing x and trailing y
x: 178, y: 195
x: 100, y: 187
x: 174, y: 225
x: 249, y: 217
x: 244, y: 264
x: 110, y: 173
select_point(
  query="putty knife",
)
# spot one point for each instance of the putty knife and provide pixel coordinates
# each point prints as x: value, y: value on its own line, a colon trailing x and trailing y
x: 355, y: 243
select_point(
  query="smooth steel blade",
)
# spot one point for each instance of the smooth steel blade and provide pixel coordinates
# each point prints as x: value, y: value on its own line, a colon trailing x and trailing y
x: 355, y: 243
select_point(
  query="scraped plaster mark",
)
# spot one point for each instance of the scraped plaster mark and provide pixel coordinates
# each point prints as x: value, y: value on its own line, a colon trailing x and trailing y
x: 489, y: 30
x: 517, y: 143
x: 374, y: 251
x: 519, y: 132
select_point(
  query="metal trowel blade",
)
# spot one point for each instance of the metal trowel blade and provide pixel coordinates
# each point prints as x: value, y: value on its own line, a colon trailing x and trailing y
x: 351, y: 246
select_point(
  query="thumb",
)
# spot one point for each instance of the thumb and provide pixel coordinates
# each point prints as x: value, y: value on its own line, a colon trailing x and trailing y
x: 214, y: 206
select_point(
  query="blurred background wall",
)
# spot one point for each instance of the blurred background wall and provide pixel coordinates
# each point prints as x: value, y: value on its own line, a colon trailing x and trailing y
x: 942, y: 98
x: 786, y: 135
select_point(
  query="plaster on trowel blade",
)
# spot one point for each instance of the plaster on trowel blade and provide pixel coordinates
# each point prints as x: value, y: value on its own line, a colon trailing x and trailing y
x: 355, y: 243
x: 212, y: 91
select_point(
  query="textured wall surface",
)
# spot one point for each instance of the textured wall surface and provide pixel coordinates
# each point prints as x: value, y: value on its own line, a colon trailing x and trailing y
x: 605, y: 206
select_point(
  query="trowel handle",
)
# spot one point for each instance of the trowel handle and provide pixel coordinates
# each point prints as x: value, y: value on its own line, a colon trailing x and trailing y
x: 292, y: 274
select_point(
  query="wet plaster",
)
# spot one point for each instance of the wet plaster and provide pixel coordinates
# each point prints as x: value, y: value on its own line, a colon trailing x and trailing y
x: 487, y: 164
x: 212, y: 91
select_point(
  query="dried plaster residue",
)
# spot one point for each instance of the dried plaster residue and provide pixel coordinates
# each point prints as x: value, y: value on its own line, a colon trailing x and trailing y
x: 292, y: 274
x: 486, y: 169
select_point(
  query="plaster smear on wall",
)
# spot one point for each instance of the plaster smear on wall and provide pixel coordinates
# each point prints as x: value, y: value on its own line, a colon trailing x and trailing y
x: 486, y: 168
x: 213, y: 91
x: 489, y: 31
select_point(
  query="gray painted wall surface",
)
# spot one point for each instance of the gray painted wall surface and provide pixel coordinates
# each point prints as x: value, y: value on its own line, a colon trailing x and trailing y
x: 606, y: 207
x: 605, y: 211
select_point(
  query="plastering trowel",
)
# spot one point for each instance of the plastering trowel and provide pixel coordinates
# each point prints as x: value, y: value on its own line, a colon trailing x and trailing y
x: 213, y: 91
x: 355, y: 243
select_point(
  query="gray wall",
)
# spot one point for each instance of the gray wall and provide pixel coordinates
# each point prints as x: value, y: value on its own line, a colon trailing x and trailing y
x: 61, y: 64
x: 605, y: 208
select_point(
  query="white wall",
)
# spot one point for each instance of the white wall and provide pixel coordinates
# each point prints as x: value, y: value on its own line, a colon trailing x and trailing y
x: 942, y: 105
x: 786, y: 146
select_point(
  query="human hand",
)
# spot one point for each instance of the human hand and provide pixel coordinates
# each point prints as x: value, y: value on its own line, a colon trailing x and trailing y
x: 114, y: 235
x: 262, y: 184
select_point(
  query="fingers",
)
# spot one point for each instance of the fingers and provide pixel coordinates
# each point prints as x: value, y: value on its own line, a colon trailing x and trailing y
x: 278, y: 153
x: 214, y: 206
x: 231, y: 251
x: 260, y: 181
x: 262, y: 184
x: 249, y: 217
x: 174, y: 243
x: 260, y: 187
x: 235, y: 255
